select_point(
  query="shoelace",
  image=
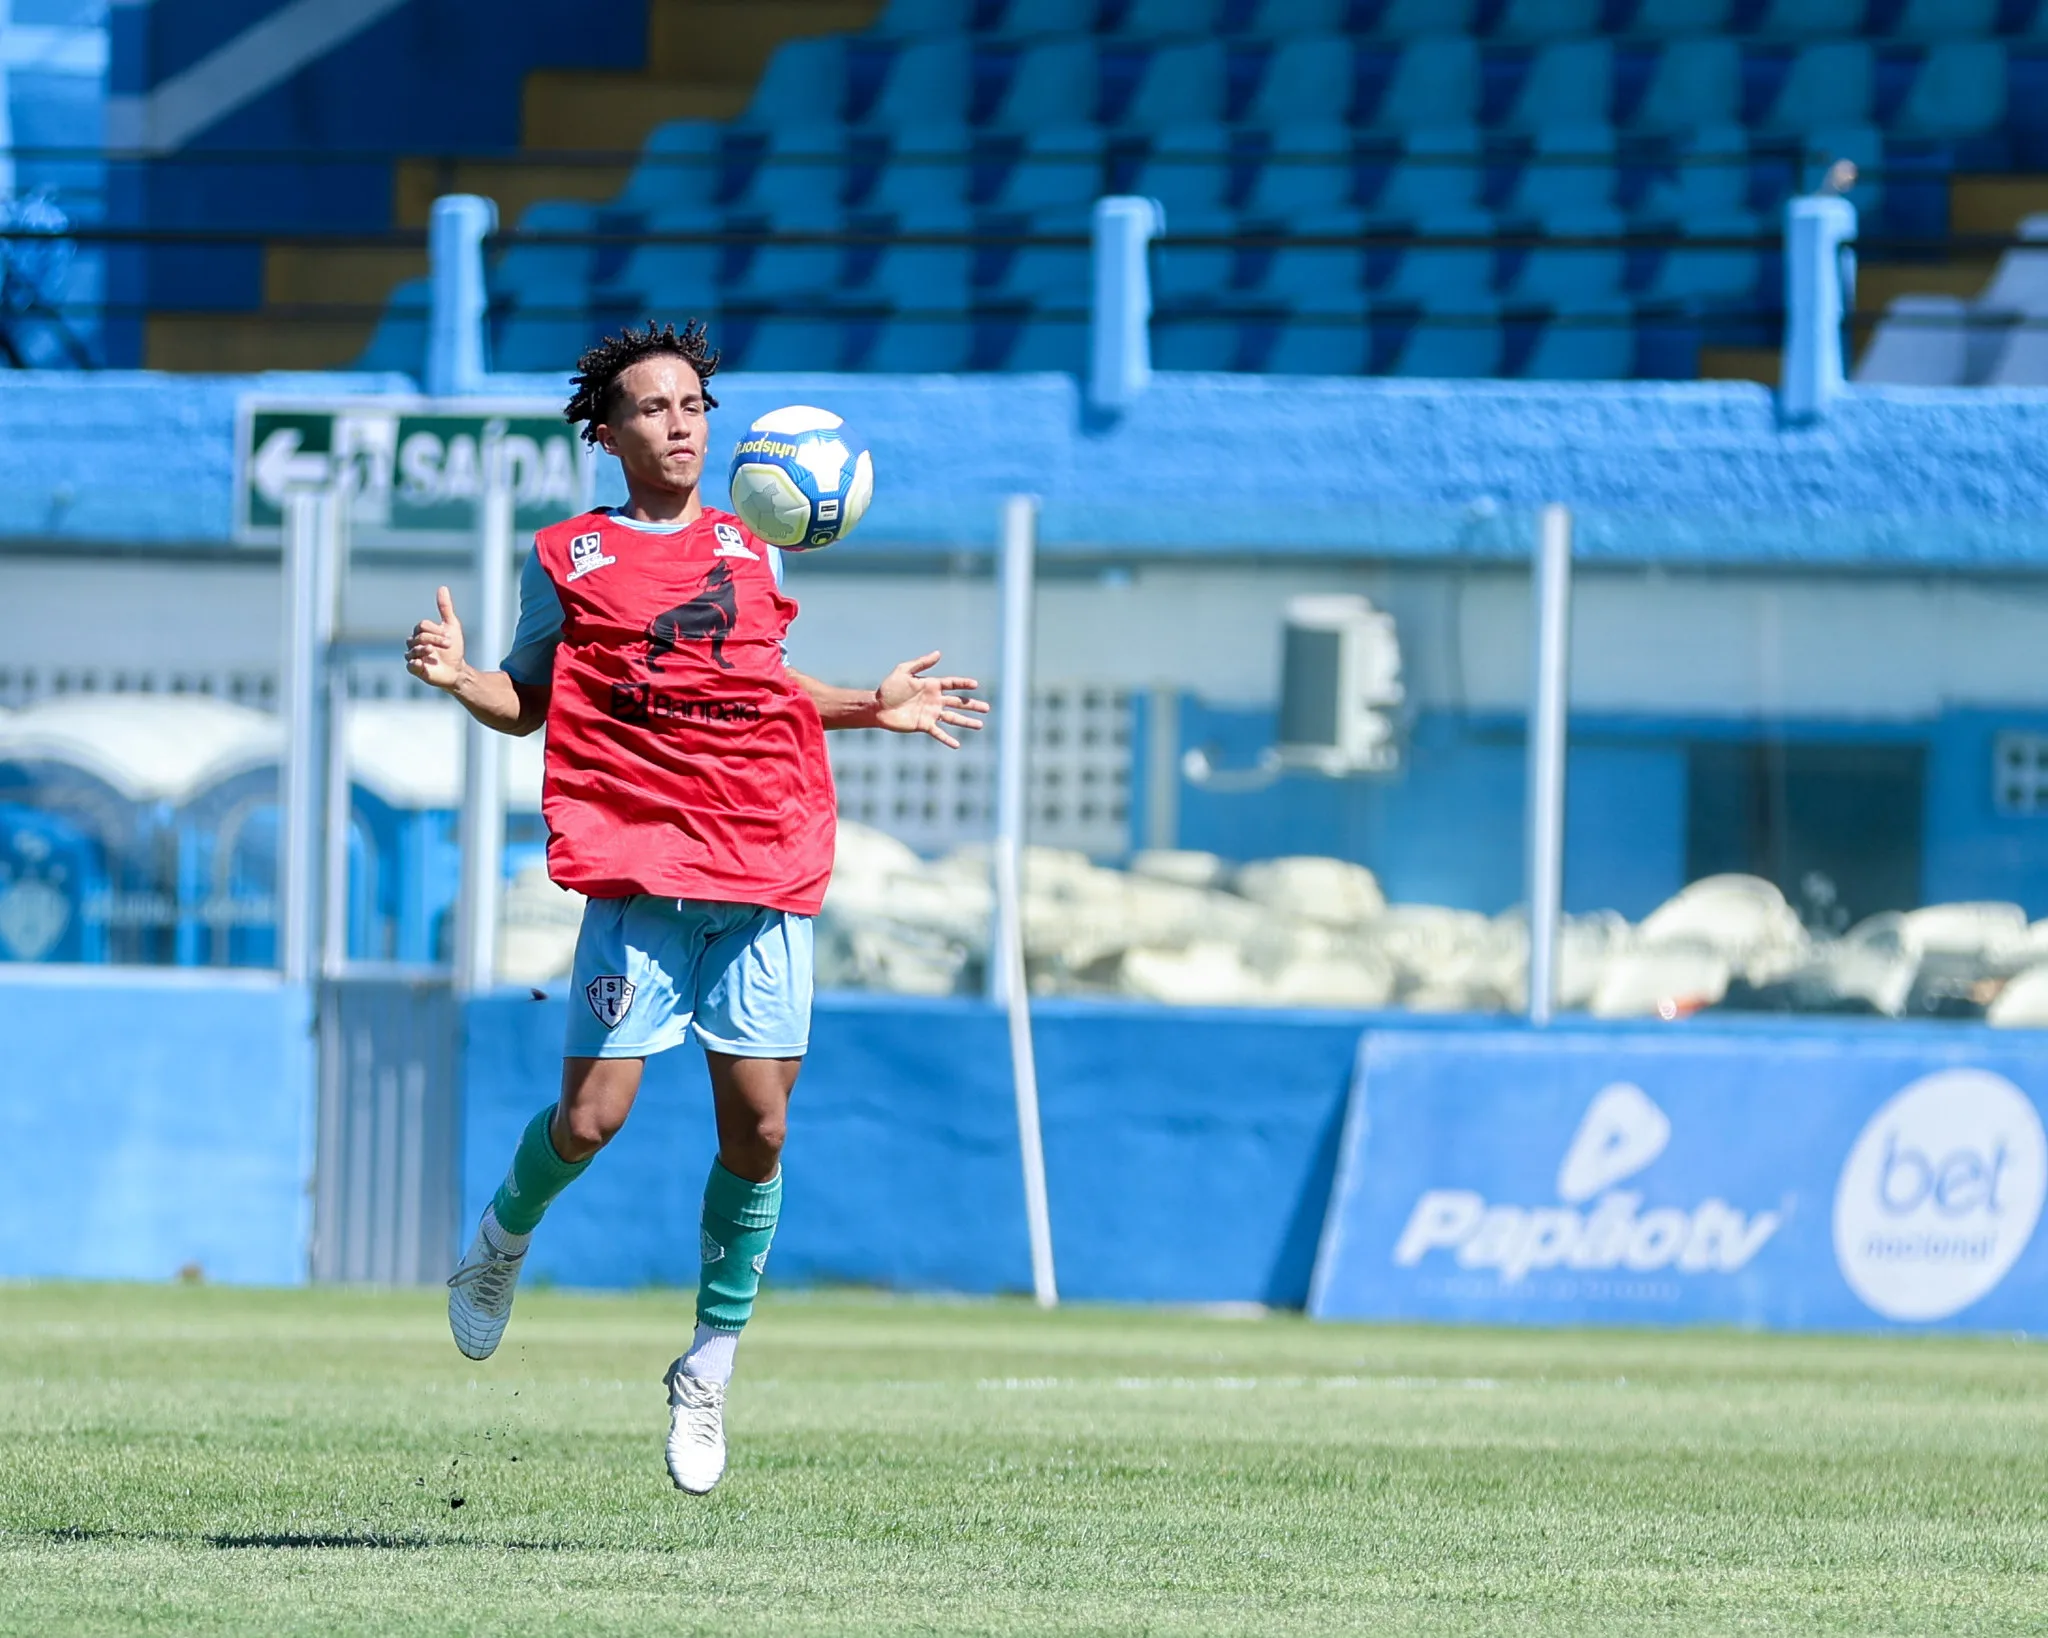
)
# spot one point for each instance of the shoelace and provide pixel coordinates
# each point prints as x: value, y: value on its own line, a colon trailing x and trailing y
x: 492, y: 1277
x: 699, y: 1400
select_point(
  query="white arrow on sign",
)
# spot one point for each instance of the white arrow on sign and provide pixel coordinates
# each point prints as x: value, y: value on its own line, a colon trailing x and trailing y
x: 279, y: 467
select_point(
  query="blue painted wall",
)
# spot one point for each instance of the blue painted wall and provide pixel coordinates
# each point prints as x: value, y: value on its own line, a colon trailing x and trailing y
x: 1188, y: 1153
x: 155, y: 1125
x: 1659, y: 472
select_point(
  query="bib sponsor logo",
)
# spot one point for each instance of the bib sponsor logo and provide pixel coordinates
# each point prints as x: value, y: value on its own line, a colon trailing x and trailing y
x: 643, y: 702
x: 609, y: 995
x: 586, y: 553
x: 1595, y: 1226
x: 732, y: 544
x: 1940, y: 1194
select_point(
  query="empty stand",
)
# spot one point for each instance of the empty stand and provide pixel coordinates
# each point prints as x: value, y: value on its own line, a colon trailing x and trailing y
x: 1555, y: 188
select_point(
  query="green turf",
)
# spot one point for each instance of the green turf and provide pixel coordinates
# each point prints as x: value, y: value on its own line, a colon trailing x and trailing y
x: 212, y: 1461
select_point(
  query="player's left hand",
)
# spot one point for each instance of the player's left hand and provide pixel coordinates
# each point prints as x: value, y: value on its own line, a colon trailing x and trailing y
x: 909, y: 702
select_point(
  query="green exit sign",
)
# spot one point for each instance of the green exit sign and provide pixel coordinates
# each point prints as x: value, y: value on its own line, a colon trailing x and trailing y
x: 413, y: 471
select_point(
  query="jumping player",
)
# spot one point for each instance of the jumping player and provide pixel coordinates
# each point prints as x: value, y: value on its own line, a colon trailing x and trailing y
x: 689, y: 797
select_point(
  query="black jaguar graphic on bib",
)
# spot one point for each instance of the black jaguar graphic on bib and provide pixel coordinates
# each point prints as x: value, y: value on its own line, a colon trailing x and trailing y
x: 707, y: 617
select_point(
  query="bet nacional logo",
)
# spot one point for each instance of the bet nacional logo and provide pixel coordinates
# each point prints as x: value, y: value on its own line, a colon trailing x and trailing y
x: 1940, y: 1194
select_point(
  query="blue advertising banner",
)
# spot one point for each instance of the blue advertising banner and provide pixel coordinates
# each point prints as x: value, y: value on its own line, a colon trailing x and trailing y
x: 1838, y: 1179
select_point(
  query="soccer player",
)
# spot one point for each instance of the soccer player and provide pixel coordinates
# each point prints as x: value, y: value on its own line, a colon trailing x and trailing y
x: 688, y: 795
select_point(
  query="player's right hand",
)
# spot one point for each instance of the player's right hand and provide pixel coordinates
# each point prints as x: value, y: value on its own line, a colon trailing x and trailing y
x: 434, y: 654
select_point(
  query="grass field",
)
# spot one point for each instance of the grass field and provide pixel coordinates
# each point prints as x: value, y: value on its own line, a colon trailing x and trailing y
x: 212, y: 1461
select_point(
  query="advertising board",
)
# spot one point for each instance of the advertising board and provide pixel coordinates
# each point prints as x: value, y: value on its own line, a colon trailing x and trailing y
x: 1829, y: 1179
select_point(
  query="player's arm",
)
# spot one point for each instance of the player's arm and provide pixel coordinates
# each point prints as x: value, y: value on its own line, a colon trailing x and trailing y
x: 908, y: 701
x: 496, y: 699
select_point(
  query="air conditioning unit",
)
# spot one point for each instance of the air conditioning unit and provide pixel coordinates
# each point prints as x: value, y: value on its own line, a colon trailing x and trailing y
x: 1340, y: 687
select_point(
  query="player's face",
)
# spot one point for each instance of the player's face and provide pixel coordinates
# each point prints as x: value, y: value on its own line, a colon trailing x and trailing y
x: 658, y: 425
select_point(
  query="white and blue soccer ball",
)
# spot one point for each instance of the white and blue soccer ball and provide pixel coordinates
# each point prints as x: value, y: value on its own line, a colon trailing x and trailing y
x: 800, y: 480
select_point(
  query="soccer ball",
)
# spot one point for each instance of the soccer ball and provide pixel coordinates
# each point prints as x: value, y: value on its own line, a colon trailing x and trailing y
x: 800, y: 480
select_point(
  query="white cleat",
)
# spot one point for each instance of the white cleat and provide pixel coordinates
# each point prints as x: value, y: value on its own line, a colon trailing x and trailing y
x: 696, y: 1431
x: 480, y: 1295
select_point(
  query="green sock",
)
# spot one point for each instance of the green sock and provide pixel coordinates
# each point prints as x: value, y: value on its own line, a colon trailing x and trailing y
x: 739, y: 1223
x: 538, y: 1174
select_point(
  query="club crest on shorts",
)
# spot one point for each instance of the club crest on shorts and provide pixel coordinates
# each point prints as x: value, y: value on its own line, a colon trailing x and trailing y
x: 609, y: 995
x: 732, y: 544
x: 586, y: 552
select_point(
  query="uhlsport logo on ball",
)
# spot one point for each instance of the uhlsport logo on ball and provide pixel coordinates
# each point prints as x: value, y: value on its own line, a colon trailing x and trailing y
x: 1940, y: 1194
x: 800, y: 480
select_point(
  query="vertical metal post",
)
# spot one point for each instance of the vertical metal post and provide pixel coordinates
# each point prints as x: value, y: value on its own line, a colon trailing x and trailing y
x: 311, y: 581
x: 1549, y: 698
x: 458, y: 297
x: 1006, y: 957
x: 337, y: 788
x: 483, y: 760
x: 1120, y: 316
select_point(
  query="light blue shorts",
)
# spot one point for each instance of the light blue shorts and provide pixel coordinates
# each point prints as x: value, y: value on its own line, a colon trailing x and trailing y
x: 649, y: 970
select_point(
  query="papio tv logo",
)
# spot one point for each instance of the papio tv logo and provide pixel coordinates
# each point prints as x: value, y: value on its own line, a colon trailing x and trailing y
x: 1595, y: 1226
x: 1940, y: 1194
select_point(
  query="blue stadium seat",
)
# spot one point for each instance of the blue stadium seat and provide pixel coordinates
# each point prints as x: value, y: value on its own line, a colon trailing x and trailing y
x: 1433, y: 83
x: 1828, y: 84
x: 927, y: 169
x: 779, y: 272
x: 1708, y: 177
x: 1595, y: 343
x: 1188, y: 171
x: 1570, y: 172
x: 1029, y: 17
x: 546, y: 273
x: 1803, y: 19
x: 1568, y: 278
x: 1180, y: 84
x: 1319, y: 344
x: 1055, y: 83
x: 928, y: 84
x: 910, y: 278
x: 1664, y: 19
x: 1695, y: 83
x: 1548, y: 19
x: 1308, y: 80
x: 1567, y: 83
x: 1960, y: 91
x: 1438, y: 275
x: 919, y: 19
x: 1197, y: 338
x: 679, y: 165
x: 1280, y: 18
x: 801, y: 172
x: 1416, y: 19
x: 400, y: 339
x: 782, y: 341
x: 1182, y: 271
x: 1438, y: 174
x: 1457, y: 344
x: 1162, y: 19
x: 1057, y: 173
x: 1050, y: 343
x: 805, y: 81
x: 935, y: 345
x: 1307, y: 168
x: 1307, y: 278
x: 1693, y: 274
x: 1039, y: 275
x: 1947, y: 19
x: 666, y: 276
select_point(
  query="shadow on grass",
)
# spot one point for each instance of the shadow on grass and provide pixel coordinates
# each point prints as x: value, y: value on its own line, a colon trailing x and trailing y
x: 372, y: 1540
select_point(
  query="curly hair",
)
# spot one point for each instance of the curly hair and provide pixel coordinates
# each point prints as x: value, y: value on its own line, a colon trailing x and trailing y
x: 598, y: 370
